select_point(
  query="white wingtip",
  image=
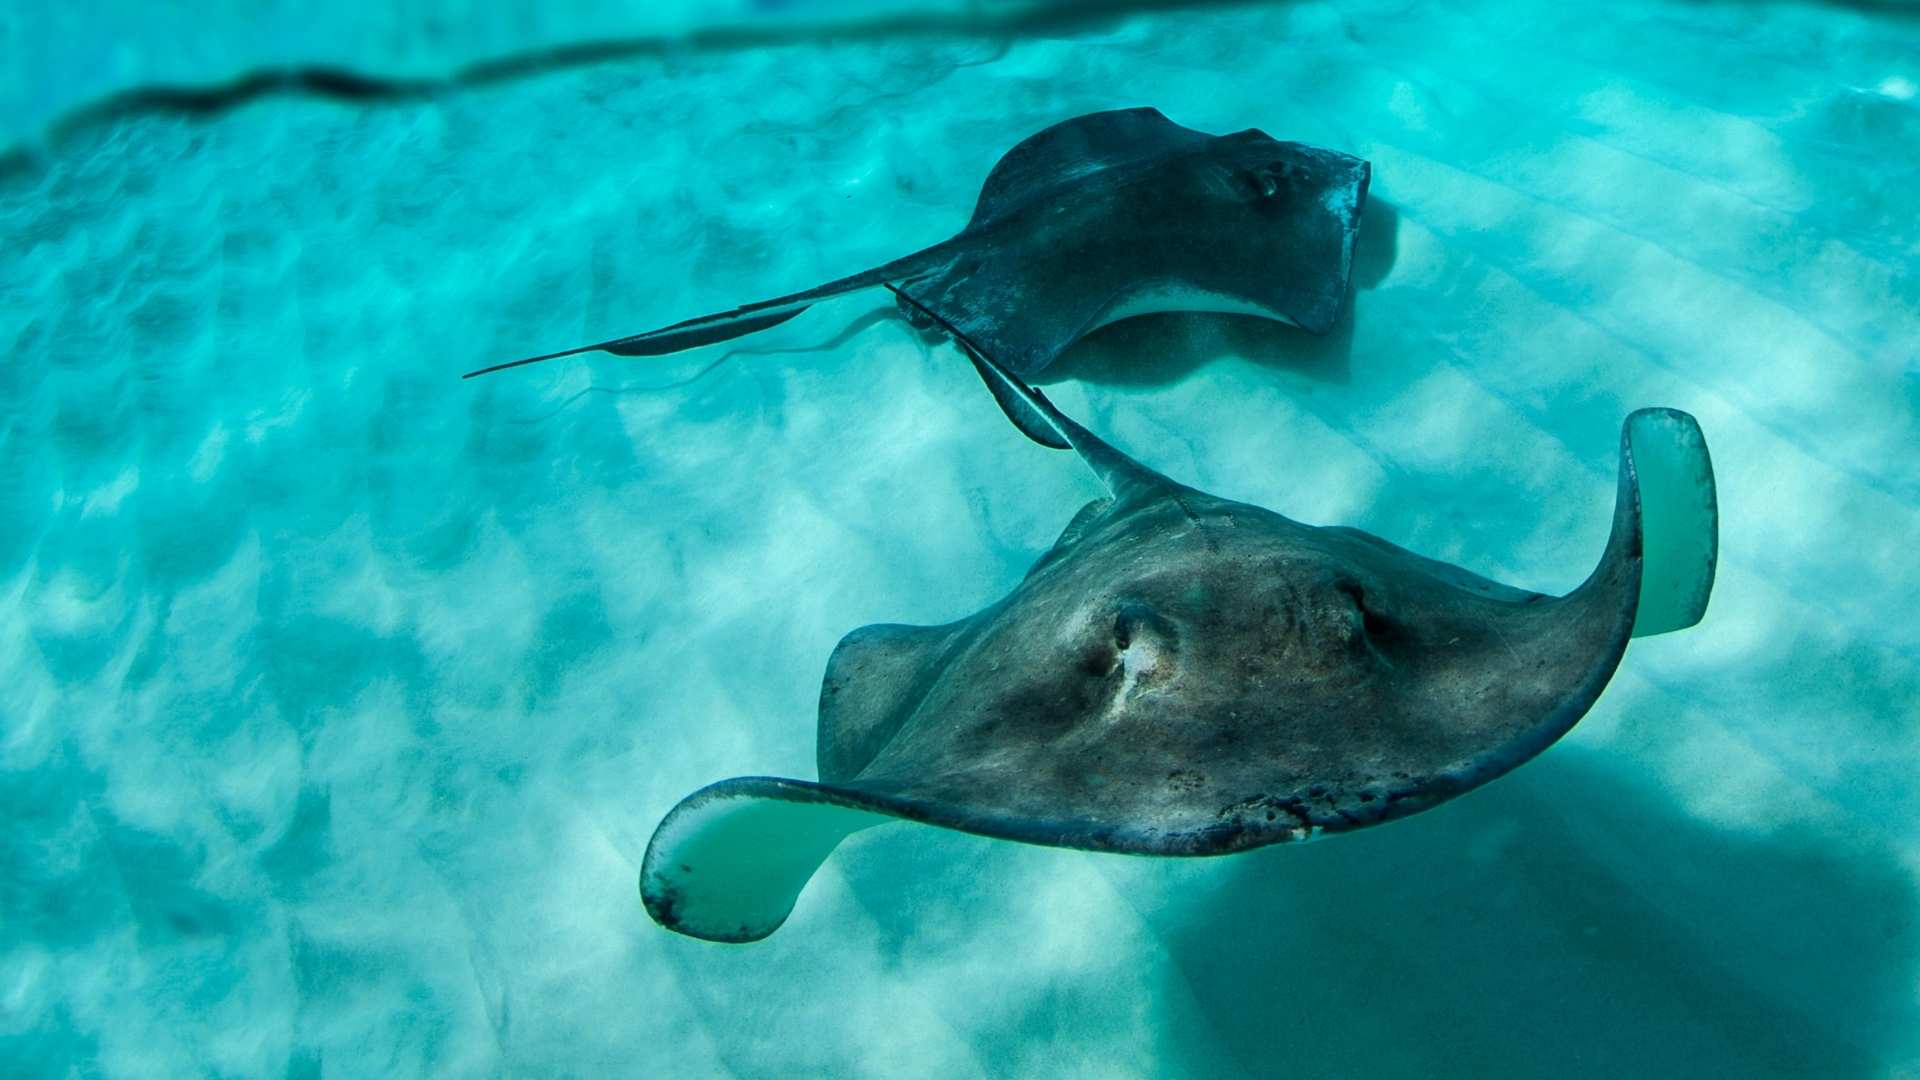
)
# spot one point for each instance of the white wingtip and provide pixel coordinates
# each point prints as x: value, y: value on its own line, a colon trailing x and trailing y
x: 1680, y: 520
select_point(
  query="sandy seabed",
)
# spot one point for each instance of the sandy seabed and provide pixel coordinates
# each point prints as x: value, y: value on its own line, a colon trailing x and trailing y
x: 338, y: 697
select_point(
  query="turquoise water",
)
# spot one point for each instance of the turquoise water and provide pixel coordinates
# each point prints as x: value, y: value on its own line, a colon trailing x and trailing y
x: 339, y: 697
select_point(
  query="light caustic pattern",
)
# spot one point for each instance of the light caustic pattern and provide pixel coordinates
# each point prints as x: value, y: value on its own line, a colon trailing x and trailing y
x: 338, y: 697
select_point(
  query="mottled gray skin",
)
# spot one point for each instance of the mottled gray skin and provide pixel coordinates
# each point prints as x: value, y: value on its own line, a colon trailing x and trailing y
x: 1101, y: 216
x: 1186, y: 675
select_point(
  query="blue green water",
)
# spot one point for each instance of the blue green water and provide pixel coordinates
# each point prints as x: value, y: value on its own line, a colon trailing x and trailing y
x: 339, y: 697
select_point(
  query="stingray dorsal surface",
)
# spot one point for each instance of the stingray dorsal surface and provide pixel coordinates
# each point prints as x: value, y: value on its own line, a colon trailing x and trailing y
x: 1187, y: 675
x: 1049, y: 161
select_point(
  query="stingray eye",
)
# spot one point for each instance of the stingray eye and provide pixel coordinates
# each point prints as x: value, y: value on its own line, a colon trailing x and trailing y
x: 1137, y: 635
x: 1265, y: 183
x: 1099, y: 659
x: 1102, y: 656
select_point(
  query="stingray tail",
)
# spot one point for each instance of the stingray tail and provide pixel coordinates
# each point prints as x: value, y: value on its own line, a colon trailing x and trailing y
x: 739, y: 322
x: 1040, y: 420
x: 1667, y: 517
x: 1027, y: 407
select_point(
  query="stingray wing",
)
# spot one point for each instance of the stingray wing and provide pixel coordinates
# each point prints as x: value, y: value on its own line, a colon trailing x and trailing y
x: 729, y: 861
x: 1680, y: 511
x: 1052, y: 159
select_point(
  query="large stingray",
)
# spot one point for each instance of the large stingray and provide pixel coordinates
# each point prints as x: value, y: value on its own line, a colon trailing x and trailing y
x: 1186, y: 675
x: 1102, y: 217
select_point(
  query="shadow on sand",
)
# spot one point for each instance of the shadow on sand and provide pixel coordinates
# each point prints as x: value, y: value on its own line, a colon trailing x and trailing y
x: 1160, y: 349
x: 1570, y: 920
x: 1565, y: 921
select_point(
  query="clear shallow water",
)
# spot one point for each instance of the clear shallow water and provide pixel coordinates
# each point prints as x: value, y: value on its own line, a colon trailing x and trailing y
x: 339, y: 697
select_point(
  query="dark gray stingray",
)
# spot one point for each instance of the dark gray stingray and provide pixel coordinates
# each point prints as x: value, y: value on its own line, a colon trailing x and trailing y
x: 1186, y: 675
x: 1102, y: 217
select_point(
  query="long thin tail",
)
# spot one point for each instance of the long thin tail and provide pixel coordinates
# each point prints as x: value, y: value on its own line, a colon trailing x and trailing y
x: 704, y: 330
x: 1043, y: 422
x: 740, y: 321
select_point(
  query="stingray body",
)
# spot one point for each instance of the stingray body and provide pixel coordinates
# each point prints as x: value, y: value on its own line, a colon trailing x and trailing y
x: 1187, y: 675
x: 1099, y: 218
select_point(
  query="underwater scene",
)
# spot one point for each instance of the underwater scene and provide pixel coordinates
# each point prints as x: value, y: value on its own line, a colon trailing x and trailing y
x: 950, y: 498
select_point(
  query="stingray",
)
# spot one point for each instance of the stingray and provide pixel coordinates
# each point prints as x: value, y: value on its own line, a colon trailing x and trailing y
x: 1099, y: 218
x: 1182, y: 674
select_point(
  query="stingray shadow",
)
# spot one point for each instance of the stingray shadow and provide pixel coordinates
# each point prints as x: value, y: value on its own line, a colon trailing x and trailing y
x: 1570, y: 920
x: 1567, y: 921
x: 1151, y: 350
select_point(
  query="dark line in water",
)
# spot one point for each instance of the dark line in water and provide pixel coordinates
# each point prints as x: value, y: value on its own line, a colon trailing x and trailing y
x: 340, y: 84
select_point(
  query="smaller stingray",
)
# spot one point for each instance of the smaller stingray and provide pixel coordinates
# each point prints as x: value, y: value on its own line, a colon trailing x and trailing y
x: 1099, y: 218
x: 1185, y: 675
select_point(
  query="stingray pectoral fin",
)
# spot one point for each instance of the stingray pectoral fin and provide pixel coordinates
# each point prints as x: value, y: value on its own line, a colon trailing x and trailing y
x: 1666, y: 525
x: 729, y: 861
x: 1679, y: 519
